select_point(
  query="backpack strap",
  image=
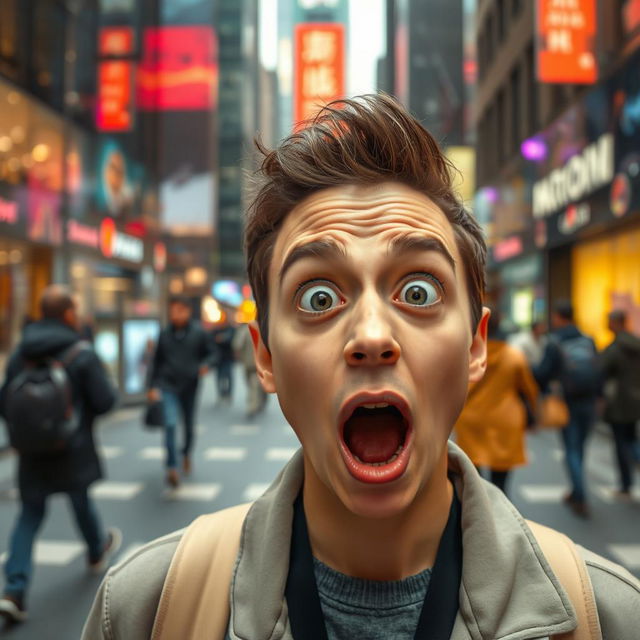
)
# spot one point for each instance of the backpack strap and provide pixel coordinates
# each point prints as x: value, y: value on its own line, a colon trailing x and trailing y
x: 194, y: 603
x: 571, y: 571
x: 72, y: 352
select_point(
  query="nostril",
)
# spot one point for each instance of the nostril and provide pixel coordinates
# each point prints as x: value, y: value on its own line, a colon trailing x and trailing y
x: 358, y: 356
x: 386, y: 355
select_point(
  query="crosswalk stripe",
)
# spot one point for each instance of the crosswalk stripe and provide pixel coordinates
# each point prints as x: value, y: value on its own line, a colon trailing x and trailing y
x: 254, y: 491
x: 280, y: 453
x: 54, y: 552
x: 244, y: 429
x: 194, y: 492
x: 542, y: 493
x: 111, y: 490
x: 225, y: 453
x: 152, y: 453
x: 607, y: 493
x: 627, y: 554
x: 110, y: 452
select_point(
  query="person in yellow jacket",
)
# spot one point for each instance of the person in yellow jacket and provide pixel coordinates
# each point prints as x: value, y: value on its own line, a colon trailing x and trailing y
x: 491, y: 428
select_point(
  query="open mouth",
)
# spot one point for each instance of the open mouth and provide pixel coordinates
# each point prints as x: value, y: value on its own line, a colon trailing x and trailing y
x: 375, y: 438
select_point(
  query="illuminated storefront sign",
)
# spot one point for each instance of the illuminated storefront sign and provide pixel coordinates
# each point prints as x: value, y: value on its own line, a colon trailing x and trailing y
x: 115, y: 244
x: 8, y: 211
x: 507, y: 248
x: 160, y: 256
x: 82, y: 234
x: 583, y: 174
x: 179, y: 69
x: 566, y: 34
x: 319, y: 67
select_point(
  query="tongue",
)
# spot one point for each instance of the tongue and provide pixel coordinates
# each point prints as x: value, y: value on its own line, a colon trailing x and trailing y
x: 374, y: 438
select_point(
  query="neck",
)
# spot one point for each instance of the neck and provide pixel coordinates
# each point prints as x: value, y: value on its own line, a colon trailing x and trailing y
x: 390, y: 548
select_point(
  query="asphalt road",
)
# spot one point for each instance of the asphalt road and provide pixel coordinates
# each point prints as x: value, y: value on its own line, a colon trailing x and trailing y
x: 235, y: 460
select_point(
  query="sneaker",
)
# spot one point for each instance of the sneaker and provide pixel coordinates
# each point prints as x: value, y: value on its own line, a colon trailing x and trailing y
x: 621, y: 495
x: 579, y: 507
x: 186, y: 465
x: 111, y: 546
x: 12, y: 609
x: 173, y: 478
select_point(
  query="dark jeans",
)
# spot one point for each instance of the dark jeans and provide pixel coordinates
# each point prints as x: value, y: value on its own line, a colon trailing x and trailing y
x: 225, y: 378
x: 624, y: 435
x: 582, y: 413
x: 19, y: 566
x: 175, y: 403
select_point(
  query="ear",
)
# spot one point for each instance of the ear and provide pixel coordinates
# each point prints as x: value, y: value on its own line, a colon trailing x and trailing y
x: 478, y: 349
x: 262, y: 355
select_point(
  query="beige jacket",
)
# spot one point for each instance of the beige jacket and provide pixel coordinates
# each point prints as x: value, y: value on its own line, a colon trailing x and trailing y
x: 508, y: 591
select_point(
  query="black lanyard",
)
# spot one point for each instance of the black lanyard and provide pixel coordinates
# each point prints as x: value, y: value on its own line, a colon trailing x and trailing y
x: 441, y: 600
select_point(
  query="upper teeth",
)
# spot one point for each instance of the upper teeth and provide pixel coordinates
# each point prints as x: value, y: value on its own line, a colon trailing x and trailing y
x: 376, y: 405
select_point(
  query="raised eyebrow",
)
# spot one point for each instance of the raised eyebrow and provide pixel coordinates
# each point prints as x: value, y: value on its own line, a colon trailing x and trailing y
x: 325, y: 249
x: 421, y: 243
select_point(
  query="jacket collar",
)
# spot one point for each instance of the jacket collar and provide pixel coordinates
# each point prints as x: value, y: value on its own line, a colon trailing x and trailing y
x: 508, y: 589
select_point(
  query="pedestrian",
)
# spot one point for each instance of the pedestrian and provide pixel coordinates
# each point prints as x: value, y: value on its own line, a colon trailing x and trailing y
x: 491, y: 429
x: 183, y: 354
x: 223, y: 343
x: 368, y: 276
x: 620, y: 363
x: 243, y: 351
x: 531, y: 342
x: 71, y: 466
x: 571, y: 358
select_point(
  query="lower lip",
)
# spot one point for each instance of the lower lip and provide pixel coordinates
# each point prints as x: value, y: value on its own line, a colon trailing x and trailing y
x: 379, y: 474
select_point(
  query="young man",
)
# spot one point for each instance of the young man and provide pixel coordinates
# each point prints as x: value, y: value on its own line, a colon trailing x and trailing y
x: 75, y: 466
x: 571, y: 357
x: 368, y: 278
x: 620, y: 363
x: 183, y: 354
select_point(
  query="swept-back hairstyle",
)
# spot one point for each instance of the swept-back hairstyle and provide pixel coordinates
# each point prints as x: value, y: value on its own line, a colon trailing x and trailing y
x: 362, y: 141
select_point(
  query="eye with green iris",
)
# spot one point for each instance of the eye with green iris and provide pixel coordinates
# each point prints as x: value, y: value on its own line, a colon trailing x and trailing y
x: 420, y: 292
x: 319, y: 298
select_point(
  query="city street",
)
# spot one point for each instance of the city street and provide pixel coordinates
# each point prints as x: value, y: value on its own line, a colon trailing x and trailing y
x: 235, y: 461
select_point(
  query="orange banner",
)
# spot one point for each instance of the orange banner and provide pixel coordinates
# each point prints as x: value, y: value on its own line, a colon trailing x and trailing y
x: 319, y: 67
x: 566, y: 36
x: 114, y: 108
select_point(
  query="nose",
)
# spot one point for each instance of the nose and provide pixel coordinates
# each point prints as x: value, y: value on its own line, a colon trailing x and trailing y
x: 372, y: 342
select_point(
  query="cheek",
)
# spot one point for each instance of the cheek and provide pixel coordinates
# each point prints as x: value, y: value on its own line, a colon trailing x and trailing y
x: 442, y: 367
x: 304, y: 373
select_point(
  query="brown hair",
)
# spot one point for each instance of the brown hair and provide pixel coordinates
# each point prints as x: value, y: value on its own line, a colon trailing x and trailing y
x: 366, y: 140
x: 55, y: 301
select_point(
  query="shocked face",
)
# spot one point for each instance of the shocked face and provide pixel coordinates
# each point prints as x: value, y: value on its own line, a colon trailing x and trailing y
x: 370, y: 341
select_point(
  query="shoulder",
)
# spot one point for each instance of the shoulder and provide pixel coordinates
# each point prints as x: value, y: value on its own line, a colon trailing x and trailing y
x: 128, y: 598
x: 617, y: 595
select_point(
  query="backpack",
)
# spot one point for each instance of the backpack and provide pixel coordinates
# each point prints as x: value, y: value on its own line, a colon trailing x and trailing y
x: 580, y: 374
x: 186, y: 609
x: 39, y: 411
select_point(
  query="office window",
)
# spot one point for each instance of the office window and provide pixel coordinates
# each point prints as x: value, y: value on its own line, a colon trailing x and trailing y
x: 8, y: 29
x: 516, y: 106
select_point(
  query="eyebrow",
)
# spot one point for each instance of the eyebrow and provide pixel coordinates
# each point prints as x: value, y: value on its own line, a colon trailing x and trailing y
x: 324, y: 249
x: 329, y: 250
x: 409, y: 243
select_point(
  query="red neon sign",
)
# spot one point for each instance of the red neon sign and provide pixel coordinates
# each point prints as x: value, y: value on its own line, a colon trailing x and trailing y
x: 319, y: 67
x: 179, y: 69
x: 115, y: 41
x: 114, y: 111
x: 566, y: 36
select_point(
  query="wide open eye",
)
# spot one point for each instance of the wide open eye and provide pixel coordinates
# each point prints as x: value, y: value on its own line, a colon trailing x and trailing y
x: 420, y: 292
x: 319, y: 298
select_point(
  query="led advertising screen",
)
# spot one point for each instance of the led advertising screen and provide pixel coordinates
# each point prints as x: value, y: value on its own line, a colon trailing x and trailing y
x: 139, y: 337
x: 566, y: 40
x: 319, y: 67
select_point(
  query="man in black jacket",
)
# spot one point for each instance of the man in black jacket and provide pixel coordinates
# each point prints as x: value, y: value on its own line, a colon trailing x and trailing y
x: 570, y: 357
x: 620, y: 363
x: 74, y: 468
x: 183, y: 354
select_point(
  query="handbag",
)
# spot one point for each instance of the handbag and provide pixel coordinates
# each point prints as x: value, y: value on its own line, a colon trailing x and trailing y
x: 553, y: 412
x: 154, y: 415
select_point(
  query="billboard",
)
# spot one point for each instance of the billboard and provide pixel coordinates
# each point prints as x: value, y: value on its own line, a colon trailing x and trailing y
x: 179, y: 69
x: 566, y: 41
x: 319, y: 67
